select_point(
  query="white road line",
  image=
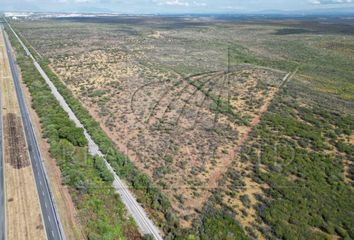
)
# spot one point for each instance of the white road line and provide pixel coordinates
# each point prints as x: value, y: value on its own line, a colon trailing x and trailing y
x: 3, y: 193
x: 145, y: 225
x: 36, y: 155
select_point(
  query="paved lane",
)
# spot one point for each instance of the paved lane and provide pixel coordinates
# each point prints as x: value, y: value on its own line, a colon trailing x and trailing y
x: 2, y: 177
x: 50, y: 216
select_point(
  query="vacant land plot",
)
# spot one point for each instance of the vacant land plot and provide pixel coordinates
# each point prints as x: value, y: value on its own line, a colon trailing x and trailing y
x: 182, y: 131
x: 210, y: 110
x: 23, y: 214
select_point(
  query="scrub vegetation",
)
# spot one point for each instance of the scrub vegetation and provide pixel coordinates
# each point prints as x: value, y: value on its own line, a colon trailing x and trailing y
x: 223, y: 128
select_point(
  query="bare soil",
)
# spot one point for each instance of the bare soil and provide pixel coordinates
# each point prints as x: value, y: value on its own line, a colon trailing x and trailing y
x: 17, y: 146
x: 182, y: 132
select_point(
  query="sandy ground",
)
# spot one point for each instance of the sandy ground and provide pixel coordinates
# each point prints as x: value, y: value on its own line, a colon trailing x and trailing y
x: 347, y: 164
x: 150, y: 120
x: 226, y: 149
x: 23, y: 214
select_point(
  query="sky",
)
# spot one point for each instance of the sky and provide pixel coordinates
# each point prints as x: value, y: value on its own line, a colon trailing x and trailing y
x: 171, y: 6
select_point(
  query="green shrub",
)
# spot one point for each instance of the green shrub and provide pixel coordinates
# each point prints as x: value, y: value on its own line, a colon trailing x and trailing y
x: 102, y: 214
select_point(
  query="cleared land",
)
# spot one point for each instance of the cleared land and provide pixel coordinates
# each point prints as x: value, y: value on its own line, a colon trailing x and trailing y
x: 23, y: 214
x: 182, y: 131
x: 249, y: 150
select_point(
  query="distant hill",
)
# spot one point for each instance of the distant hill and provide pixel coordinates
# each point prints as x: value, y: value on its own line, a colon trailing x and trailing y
x: 327, y: 11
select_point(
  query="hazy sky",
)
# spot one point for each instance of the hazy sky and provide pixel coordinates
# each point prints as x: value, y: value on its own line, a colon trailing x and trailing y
x: 170, y: 6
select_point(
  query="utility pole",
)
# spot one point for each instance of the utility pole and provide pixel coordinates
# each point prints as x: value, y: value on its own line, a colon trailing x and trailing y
x: 228, y: 60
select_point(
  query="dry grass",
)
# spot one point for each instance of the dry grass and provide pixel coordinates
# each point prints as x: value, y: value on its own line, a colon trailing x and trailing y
x: 173, y: 130
x: 177, y: 129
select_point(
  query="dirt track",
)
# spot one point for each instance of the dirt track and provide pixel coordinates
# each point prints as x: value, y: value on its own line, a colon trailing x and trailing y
x: 23, y: 215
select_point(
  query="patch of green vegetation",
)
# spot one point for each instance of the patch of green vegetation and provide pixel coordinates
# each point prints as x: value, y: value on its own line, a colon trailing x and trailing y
x: 315, y: 203
x: 290, y: 31
x: 168, y: 159
x: 307, y: 197
x: 216, y: 223
x: 105, y: 174
x: 240, y: 54
x: 96, y: 93
x: 328, y: 71
x: 286, y: 125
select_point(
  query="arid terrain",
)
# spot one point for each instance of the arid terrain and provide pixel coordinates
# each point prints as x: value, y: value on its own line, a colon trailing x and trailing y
x: 231, y: 119
x: 183, y: 131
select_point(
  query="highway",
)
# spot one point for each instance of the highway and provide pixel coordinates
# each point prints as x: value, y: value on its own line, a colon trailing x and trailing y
x: 2, y: 177
x: 146, y: 226
x: 51, y: 219
x: 2, y: 189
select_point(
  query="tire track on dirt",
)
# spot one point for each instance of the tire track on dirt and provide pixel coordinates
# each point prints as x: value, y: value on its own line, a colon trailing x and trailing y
x: 179, y: 94
x: 202, y: 105
x: 217, y: 112
x: 190, y: 97
x: 255, y: 121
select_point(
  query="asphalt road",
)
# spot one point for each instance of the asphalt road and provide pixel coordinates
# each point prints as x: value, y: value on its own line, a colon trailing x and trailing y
x: 2, y: 189
x: 50, y: 216
x: 145, y: 225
